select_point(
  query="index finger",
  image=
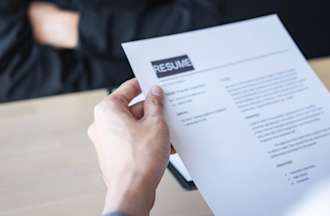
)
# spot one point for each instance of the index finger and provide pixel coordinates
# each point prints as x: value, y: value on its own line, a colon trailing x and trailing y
x: 127, y: 91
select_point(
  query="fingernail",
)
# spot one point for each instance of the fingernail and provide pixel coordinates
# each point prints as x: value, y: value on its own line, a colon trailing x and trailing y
x: 156, y: 91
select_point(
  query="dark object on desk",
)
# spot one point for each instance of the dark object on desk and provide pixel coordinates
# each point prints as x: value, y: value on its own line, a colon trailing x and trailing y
x: 188, y: 185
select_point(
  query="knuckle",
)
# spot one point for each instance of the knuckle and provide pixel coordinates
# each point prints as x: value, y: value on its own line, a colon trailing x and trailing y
x: 97, y: 109
x: 104, y: 107
x: 90, y: 132
x: 117, y: 99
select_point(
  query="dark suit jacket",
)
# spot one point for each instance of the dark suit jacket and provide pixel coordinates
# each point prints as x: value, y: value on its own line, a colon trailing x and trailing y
x: 29, y: 70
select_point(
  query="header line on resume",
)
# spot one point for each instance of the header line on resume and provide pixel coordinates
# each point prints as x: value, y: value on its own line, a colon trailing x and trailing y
x: 162, y: 80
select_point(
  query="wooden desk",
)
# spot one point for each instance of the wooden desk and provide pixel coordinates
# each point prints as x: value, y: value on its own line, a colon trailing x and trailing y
x: 48, y: 167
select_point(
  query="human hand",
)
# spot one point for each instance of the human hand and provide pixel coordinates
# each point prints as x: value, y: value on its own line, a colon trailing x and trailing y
x: 132, y: 144
x: 53, y: 26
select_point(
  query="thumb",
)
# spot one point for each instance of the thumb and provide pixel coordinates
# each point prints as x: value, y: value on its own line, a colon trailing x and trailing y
x: 153, y: 105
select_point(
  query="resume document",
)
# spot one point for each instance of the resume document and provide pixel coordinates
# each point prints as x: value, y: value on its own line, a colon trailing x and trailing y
x: 247, y: 115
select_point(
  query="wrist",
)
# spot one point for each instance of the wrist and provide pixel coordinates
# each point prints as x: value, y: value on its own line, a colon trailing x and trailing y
x: 71, y: 20
x: 67, y: 30
x: 60, y: 29
x: 130, y: 194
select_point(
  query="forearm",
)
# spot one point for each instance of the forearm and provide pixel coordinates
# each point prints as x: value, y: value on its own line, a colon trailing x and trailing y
x: 68, y: 38
x: 53, y: 26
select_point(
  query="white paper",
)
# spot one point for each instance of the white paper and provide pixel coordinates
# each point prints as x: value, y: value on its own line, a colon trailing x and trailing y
x: 247, y: 114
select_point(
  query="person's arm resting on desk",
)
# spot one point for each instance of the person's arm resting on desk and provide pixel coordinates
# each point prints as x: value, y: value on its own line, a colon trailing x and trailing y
x: 132, y: 144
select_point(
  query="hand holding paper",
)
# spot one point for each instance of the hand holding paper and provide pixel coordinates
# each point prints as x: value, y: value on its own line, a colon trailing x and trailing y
x: 247, y: 114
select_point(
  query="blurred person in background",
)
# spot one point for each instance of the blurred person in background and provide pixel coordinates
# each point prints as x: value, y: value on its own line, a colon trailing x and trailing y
x: 57, y: 46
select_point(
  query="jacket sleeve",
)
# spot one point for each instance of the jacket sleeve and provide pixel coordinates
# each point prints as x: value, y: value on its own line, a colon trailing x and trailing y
x: 30, y: 70
x: 25, y: 67
x: 102, y: 30
x: 12, y: 30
